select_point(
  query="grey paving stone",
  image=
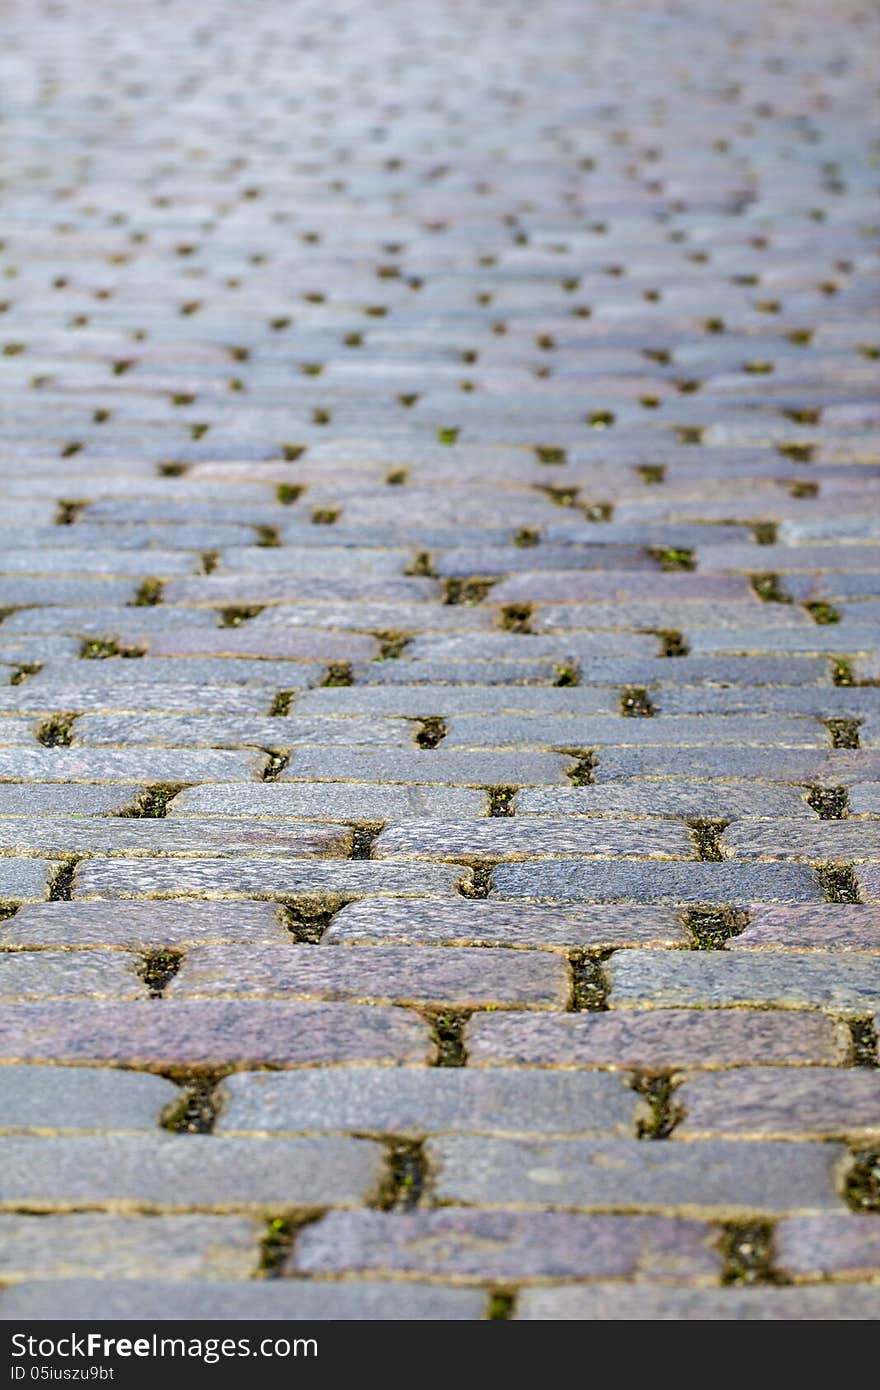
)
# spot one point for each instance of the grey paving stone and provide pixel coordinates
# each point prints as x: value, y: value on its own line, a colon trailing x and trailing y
x: 255, y: 878
x: 697, y: 800
x: 211, y: 1032
x: 657, y: 883
x: 62, y: 975
x: 196, y: 731
x: 393, y: 974
x: 453, y: 768
x: 544, y: 731
x: 839, y: 1246
x: 363, y: 801
x: 610, y: 1302
x: 441, y: 1099
x: 829, y: 841
x: 655, y: 1038
x: 446, y: 922
x: 76, y: 1245
x: 815, y: 1102
x: 24, y: 880
x: 506, y: 838
x: 847, y: 983
x: 225, y: 1301
x: 172, y: 1172
x: 509, y: 1246
x: 703, y: 1178
x: 169, y: 836
x: 144, y: 926
x: 72, y: 1098
x: 27, y: 799
x: 124, y: 765
x: 823, y: 927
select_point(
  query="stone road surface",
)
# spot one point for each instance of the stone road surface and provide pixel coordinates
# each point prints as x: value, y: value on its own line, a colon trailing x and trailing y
x: 440, y: 581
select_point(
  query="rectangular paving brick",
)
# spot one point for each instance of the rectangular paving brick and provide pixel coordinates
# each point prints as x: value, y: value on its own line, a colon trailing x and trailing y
x: 71, y: 1098
x: 841, y: 841
x: 812, y: 1103
x: 847, y: 984
x: 467, y: 977
x: 657, y: 883
x: 611, y: 1302
x: 507, y: 838
x: 174, y: 1172
x: 74, y: 1245
x: 24, y: 880
x: 70, y: 975
x: 143, y: 926
x: 450, y: 922
x: 424, y: 1102
x: 124, y: 765
x: 211, y: 1032
x: 485, y: 1245
x: 655, y: 1038
x: 421, y: 765
x: 645, y: 797
x: 716, y: 1178
x: 166, y: 836
x: 361, y: 801
x: 819, y: 927
x: 838, y: 1246
x: 243, y: 878
x: 299, y: 1300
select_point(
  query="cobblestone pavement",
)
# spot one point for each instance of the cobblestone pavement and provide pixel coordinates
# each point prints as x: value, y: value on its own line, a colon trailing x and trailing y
x: 440, y: 739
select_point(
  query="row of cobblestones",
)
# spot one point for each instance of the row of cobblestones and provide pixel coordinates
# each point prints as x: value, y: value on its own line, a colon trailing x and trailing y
x: 439, y: 660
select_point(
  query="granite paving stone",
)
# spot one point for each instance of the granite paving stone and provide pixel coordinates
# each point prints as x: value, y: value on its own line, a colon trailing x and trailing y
x: 611, y: 1302
x: 849, y: 984
x: 510, y: 1246
x: 172, y: 1172
x: 223, y: 1300
x: 76, y: 1245
x: 811, y: 1103
x: 712, y: 1177
x: 466, y: 977
x: 408, y: 1102
x: 656, y: 1038
x: 209, y: 1032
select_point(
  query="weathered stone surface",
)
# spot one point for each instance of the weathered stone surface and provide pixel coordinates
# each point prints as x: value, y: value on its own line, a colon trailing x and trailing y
x: 414, y: 1102
x: 506, y: 838
x: 847, y: 983
x: 79, y: 1245
x: 268, y: 877
x: 813, y: 1103
x: 368, y: 802
x: 24, y: 880
x: 449, y: 922
x: 700, y: 800
x: 121, y: 835
x: 382, y: 974
x: 140, y: 925
x: 657, y: 883
x: 705, y: 1178
x: 70, y: 975
x: 610, y: 1302
x: 71, y: 1098
x: 224, y: 1301
x: 658, y: 1038
x: 207, y: 1032
x: 173, y: 1172
x: 823, y: 927
x: 840, y: 1246
x: 510, y: 1245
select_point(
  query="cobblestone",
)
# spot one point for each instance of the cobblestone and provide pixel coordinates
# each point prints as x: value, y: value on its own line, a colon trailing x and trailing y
x: 439, y: 661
